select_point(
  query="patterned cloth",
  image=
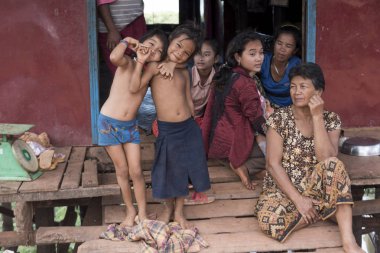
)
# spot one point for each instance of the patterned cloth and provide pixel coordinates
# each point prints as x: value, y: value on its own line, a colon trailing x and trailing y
x: 327, y: 181
x: 156, y: 236
x: 114, y: 132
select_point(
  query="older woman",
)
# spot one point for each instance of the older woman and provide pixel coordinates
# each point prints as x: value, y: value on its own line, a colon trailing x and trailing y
x: 304, y: 181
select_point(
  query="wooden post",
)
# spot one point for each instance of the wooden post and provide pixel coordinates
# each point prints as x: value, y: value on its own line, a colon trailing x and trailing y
x: 357, y: 195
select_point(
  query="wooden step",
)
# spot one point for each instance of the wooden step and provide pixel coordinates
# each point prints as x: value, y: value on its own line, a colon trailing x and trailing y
x: 324, y: 237
x: 218, y: 174
x: 219, y: 208
x: 232, y: 190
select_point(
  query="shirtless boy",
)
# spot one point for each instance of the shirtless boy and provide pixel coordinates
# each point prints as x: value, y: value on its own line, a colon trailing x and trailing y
x: 117, y: 125
x: 180, y: 157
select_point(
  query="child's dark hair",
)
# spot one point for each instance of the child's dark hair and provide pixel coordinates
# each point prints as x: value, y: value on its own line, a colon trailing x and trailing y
x: 292, y: 30
x: 213, y: 44
x: 162, y: 36
x: 311, y: 71
x: 236, y: 45
x: 192, y: 33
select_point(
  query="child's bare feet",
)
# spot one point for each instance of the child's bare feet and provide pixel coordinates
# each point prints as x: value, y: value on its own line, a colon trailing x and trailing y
x: 130, y: 218
x: 352, y: 247
x: 242, y: 172
x: 141, y: 217
x: 185, y: 224
x: 167, y: 212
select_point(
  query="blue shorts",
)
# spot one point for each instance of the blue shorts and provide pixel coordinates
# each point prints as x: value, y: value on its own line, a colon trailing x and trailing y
x: 114, y: 132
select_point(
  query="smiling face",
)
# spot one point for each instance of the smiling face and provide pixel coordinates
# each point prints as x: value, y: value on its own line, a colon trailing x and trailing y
x: 301, y: 91
x: 156, y: 46
x: 180, y: 49
x: 206, y: 58
x: 252, y: 57
x: 284, y: 47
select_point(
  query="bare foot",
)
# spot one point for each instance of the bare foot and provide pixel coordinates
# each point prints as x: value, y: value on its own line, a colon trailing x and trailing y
x: 185, y: 224
x: 141, y: 217
x: 242, y: 172
x: 129, y: 220
x: 167, y: 212
x: 352, y: 248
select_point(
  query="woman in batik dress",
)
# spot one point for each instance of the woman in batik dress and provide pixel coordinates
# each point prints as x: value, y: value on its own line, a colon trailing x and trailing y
x: 305, y: 182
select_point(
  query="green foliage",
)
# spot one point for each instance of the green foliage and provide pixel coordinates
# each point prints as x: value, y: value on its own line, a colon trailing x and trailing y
x: 162, y: 18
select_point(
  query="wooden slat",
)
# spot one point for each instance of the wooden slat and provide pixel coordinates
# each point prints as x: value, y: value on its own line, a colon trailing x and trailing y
x: 47, y: 235
x: 98, y: 153
x: 330, y: 250
x: 219, y: 208
x: 72, y: 176
x: 11, y: 239
x: 218, y: 174
x: 102, y: 190
x: 90, y: 174
x: 247, y: 241
x: 366, y: 207
x: 361, y: 167
x: 9, y: 187
x: 232, y: 190
x: 49, y: 180
x: 147, y: 151
x: 77, y: 154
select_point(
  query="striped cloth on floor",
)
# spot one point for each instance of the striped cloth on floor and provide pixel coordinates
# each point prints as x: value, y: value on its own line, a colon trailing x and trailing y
x: 156, y: 237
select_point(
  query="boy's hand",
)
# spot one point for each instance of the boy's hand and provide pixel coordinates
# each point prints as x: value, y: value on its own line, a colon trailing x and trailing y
x: 132, y: 43
x: 143, y: 53
x: 167, y: 69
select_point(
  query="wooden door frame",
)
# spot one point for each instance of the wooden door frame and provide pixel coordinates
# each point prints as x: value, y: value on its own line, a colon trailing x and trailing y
x: 93, y: 68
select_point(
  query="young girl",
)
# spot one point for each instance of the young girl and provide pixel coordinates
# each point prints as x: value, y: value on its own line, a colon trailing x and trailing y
x: 202, y: 74
x: 117, y: 124
x: 234, y: 115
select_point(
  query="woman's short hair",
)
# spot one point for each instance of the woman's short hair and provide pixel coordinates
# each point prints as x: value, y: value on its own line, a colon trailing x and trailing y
x: 311, y: 71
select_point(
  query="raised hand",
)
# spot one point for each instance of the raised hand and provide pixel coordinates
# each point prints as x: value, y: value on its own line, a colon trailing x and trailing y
x: 143, y: 52
x: 316, y: 105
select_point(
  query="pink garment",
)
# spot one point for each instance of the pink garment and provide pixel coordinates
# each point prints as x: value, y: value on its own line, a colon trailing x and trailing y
x: 100, y: 2
x: 200, y: 92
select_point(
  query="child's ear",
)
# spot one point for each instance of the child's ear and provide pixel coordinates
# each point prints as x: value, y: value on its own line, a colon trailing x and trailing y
x: 217, y: 59
x: 237, y: 57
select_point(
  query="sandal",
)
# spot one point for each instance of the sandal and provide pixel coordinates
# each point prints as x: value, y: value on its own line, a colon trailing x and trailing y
x: 199, y: 198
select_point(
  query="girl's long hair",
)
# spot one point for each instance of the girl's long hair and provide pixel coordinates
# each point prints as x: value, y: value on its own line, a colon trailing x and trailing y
x: 236, y: 45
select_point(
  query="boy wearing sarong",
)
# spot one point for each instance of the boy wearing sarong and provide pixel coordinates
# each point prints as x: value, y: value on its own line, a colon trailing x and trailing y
x: 180, y: 157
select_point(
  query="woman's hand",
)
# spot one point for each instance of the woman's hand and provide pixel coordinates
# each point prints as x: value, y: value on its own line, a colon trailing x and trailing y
x: 306, y: 208
x: 316, y: 105
x: 113, y: 38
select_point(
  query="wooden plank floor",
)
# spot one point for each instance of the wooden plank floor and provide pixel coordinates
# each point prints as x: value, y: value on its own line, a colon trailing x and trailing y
x: 227, y: 224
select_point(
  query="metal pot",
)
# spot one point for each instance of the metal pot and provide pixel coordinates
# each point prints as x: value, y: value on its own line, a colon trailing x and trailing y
x: 361, y: 146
